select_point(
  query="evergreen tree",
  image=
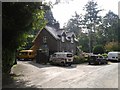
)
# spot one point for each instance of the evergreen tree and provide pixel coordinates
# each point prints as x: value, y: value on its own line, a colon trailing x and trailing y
x: 91, y: 20
x: 74, y: 24
x: 110, y: 24
x: 51, y: 21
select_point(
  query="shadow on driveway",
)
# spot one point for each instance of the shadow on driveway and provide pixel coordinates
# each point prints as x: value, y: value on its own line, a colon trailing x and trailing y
x: 9, y: 82
x: 49, y: 65
x: 114, y: 61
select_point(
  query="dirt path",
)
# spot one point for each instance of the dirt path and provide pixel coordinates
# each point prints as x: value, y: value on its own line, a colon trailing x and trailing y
x: 76, y: 76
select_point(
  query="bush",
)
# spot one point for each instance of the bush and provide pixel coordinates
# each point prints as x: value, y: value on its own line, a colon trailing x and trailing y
x: 105, y: 55
x: 99, y: 49
x: 78, y: 59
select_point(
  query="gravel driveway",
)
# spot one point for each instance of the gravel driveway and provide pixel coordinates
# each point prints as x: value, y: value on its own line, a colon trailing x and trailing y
x: 76, y: 76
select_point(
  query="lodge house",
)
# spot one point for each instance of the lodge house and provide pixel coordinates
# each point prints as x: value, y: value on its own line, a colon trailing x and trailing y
x: 56, y: 40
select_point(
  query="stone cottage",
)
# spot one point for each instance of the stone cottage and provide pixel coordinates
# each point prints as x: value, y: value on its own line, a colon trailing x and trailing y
x: 56, y: 40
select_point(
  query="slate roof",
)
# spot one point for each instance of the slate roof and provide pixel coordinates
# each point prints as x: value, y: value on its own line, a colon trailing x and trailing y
x: 57, y: 33
x: 69, y: 34
x: 52, y: 31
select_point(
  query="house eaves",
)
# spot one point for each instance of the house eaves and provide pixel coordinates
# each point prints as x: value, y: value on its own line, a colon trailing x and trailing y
x: 36, y: 36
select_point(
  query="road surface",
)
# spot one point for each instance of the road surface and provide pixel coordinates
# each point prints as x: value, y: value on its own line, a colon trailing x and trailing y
x: 76, y: 76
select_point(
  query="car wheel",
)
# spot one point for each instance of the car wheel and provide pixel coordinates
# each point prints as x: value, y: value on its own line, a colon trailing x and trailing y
x: 63, y: 64
x: 99, y: 63
x: 69, y: 64
x: 89, y: 63
x: 51, y: 62
x: 106, y: 63
x: 18, y: 59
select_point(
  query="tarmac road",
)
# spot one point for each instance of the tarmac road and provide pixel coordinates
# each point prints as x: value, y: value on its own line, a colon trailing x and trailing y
x: 76, y: 76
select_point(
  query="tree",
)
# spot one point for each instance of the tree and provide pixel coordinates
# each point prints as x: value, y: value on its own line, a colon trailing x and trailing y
x: 51, y: 20
x: 74, y: 24
x: 98, y: 49
x: 112, y: 46
x: 110, y: 26
x: 17, y: 20
x: 91, y: 20
x: 83, y: 42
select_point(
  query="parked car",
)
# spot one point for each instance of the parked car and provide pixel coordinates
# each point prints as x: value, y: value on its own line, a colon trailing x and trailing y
x: 62, y: 58
x: 96, y: 59
x: 25, y: 55
x: 114, y: 56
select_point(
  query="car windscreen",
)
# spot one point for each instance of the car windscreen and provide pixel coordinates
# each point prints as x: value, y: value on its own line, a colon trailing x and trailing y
x: 100, y: 57
x: 23, y: 53
x: 69, y: 55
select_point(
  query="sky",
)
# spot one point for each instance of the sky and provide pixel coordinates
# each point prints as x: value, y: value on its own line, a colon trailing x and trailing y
x: 63, y: 11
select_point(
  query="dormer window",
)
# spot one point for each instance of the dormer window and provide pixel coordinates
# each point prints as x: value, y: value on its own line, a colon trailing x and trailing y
x: 72, y: 40
x: 63, y: 39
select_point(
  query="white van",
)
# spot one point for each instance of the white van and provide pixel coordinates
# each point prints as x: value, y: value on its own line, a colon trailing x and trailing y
x: 114, y: 56
x: 63, y: 58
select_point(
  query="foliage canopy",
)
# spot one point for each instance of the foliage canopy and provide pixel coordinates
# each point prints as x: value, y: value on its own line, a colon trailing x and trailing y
x: 17, y: 20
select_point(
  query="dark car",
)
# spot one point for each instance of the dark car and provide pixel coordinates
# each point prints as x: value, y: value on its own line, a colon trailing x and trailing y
x: 96, y: 59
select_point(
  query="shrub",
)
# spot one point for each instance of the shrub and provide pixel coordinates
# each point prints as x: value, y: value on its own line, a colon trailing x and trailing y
x: 78, y: 59
x: 99, y: 49
x: 105, y: 55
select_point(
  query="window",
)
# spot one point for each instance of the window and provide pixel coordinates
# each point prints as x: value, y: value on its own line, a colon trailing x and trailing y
x: 69, y: 55
x: 63, y: 39
x: 23, y: 53
x: 100, y: 57
x: 72, y: 40
x: 54, y: 55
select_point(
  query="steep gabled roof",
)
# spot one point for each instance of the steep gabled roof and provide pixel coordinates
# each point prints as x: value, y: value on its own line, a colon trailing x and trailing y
x: 56, y: 33
x: 59, y: 32
x: 52, y: 31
